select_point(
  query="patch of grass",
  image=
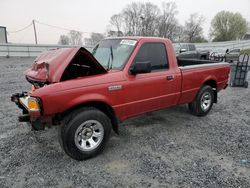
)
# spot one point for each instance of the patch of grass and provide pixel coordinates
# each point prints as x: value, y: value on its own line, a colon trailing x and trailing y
x: 247, y: 51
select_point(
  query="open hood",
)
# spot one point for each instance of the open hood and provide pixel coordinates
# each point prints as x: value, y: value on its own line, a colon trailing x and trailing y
x: 62, y: 64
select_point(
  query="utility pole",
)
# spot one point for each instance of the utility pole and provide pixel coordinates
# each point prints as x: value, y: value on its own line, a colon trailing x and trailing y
x: 34, y: 26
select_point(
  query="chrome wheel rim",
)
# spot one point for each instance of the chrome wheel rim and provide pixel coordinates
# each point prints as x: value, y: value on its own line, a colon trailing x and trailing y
x: 89, y: 135
x: 206, y: 100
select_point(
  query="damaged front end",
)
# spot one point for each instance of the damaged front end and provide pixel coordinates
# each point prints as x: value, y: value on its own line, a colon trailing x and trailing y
x: 62, y: 64
x: 51, y: 67
x: 31, y: 109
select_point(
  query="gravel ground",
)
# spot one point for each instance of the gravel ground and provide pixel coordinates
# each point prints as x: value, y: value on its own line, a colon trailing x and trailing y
x: 168, y: 148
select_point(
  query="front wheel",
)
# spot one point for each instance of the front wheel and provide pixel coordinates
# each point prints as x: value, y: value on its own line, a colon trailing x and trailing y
x: 85, y: 133
x: 203, y: 101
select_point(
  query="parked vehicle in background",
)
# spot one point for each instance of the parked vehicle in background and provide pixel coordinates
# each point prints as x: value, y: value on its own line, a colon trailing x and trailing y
x: 89, y: 94
x: 217, y: 54
x: 221, y: 54
x: 188, y: 51
x: 232, y: 55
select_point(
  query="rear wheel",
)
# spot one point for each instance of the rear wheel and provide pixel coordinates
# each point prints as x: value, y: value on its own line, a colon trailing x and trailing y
x: 85, y: 133
x: 203, y: 101
x: 246, y: 84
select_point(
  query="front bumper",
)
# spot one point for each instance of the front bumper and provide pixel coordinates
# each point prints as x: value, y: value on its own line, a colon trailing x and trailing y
x: 32, y: 117
x: 21, y: 100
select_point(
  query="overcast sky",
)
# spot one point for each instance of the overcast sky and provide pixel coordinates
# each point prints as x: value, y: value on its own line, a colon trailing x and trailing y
x: 94, y: 15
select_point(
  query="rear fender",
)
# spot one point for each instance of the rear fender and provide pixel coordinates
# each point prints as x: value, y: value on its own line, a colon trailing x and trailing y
x: 211, y: 81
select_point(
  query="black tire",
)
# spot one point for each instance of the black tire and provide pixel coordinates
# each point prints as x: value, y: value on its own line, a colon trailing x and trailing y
x: 191, y: 108
x: 72, y: 123
x: 196, y: 107
x: 246, y: 84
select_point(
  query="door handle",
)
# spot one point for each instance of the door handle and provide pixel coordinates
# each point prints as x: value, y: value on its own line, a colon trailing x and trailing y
x: 171, y: 77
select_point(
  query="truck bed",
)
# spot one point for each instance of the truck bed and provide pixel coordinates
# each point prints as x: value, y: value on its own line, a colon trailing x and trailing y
x: 196, y: 72
x: 189, y: 62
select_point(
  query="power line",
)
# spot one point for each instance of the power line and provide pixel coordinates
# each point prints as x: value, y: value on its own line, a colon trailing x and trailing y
x: 49, y: 25
x: 52, y: 25
x: 21, y: 29
x: 21, y: 36
x: 58, y: 27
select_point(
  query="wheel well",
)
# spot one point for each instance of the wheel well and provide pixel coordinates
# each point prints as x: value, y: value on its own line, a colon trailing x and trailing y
x: 105, y: 108
x: 213, y: 84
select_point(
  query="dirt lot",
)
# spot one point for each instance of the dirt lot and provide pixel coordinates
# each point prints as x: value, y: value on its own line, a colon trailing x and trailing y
x: 169, y: 148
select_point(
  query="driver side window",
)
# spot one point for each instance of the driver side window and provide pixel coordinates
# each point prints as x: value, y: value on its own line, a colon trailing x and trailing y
x: 155, y: 53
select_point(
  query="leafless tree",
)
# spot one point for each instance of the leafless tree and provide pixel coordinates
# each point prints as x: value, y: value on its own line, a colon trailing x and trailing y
x: 94, y: 38
x: 75, y: 37
x: 146, y: 19
x: 193, y: 27
x: 167, y: 23
x: 63, y: 40
x: 116, y: 21
x: 149, y: 16
x: 132, y: 18
x: 112, y: 33
x: 140, y: 19
x: 178, y: 35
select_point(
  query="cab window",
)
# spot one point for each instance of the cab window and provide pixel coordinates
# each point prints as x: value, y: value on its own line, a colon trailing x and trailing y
x: 155, y: 53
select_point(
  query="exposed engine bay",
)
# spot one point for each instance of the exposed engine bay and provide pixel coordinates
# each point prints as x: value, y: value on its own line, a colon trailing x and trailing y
x: 45, y: 69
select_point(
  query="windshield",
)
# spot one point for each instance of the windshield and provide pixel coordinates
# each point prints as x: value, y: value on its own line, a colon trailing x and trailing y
x: 113, y: 53
x: 177, y: 47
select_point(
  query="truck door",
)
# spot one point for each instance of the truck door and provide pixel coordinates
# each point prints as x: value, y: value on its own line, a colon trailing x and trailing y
x: 155, y: 90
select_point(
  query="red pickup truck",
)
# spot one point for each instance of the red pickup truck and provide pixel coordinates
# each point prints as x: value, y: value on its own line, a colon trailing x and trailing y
x: 88, y: 94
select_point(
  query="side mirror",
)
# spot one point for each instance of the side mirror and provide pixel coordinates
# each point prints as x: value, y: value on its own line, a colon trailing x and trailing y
x: 141, y: 67
x: 183, y: 50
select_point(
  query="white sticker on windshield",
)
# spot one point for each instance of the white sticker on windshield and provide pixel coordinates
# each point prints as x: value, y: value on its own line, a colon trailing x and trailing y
x: 128, y: 42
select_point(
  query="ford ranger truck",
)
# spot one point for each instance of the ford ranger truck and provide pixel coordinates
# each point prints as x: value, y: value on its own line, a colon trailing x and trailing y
x: 89, y: 94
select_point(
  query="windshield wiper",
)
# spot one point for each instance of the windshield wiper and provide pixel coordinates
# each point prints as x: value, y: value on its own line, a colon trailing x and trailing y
x: 111, y: 56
